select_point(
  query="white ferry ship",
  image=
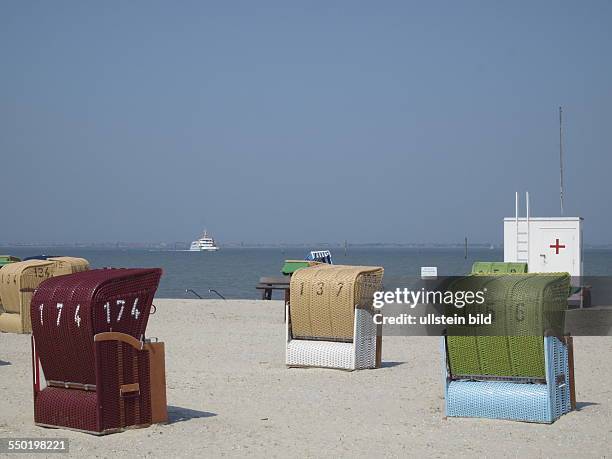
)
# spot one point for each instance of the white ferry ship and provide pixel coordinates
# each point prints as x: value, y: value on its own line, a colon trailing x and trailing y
x: 205, y: 243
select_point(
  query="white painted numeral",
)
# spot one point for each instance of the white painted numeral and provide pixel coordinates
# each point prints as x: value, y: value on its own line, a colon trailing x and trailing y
x: 77, y: 317
x: 122, y: 303
x: 60, y: 306
x: 135, y: 311
x: 107, y: 308
x: 40, y: 308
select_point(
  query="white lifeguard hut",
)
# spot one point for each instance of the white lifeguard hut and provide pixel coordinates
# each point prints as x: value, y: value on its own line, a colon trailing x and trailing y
x: 546, y: 244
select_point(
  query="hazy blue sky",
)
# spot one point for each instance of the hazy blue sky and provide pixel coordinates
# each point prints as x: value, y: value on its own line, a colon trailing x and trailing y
x: 300, y: 121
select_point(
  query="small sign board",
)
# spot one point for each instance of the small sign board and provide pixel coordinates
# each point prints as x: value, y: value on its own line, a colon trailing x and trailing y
x: 429, y: 272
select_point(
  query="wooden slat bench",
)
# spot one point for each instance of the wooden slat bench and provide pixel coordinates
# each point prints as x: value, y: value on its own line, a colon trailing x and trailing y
x: 268, y: 284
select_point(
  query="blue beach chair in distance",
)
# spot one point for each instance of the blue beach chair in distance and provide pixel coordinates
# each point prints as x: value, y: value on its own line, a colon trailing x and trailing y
x: 322, y: 256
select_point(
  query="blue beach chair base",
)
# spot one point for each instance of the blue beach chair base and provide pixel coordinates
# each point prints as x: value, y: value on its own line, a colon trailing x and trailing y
x: 514, y: 400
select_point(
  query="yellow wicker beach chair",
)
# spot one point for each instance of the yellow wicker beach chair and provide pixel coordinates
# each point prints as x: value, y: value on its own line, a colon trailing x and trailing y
x: 18, y: 281
x: 69, y: 265
x: 17, y: 284
x: 330, y: 317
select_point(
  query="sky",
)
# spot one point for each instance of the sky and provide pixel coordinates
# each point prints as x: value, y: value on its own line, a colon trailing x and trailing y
x: 288, y: 122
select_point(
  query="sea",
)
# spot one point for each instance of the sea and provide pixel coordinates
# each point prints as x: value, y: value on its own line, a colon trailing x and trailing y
x: 234, y: 272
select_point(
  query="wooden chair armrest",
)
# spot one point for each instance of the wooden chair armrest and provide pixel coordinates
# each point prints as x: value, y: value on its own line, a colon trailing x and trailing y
x: 117, y: 336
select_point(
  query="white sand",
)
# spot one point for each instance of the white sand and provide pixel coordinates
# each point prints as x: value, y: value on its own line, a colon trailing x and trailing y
x: 230, y: 394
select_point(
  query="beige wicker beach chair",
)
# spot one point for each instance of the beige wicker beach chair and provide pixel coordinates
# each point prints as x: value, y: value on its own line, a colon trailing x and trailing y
x: 17, y: 284
x: 69, y: 265
x: 18, y: 281
x: 330, y: 317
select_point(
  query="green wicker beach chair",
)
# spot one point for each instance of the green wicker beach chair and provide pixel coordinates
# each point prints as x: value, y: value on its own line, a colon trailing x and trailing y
x: 498, y: 267
x: 6, y: 259
x: 522, y: 367
x: 291, y: 266
x: 525, y: 307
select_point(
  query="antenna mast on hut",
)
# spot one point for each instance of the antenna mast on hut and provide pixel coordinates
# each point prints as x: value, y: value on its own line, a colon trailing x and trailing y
x: 561, y: 155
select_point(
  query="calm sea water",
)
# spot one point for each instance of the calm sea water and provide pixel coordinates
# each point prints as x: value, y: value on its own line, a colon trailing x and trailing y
x: 234, y: 272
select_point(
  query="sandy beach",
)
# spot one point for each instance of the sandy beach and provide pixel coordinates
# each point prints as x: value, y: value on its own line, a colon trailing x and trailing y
x: 230, y: 394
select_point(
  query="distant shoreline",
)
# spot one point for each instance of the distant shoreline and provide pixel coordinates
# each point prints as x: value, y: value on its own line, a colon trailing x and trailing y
x: 239, y: 245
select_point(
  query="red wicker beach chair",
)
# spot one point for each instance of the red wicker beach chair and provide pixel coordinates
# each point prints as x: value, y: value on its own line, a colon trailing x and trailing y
x: 88, y: 335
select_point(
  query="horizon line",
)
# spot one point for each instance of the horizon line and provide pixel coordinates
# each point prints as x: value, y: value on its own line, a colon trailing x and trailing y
x: 244, y: 244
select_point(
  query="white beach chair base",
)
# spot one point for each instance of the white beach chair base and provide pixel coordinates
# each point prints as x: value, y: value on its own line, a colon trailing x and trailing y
x: 359, y: 354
